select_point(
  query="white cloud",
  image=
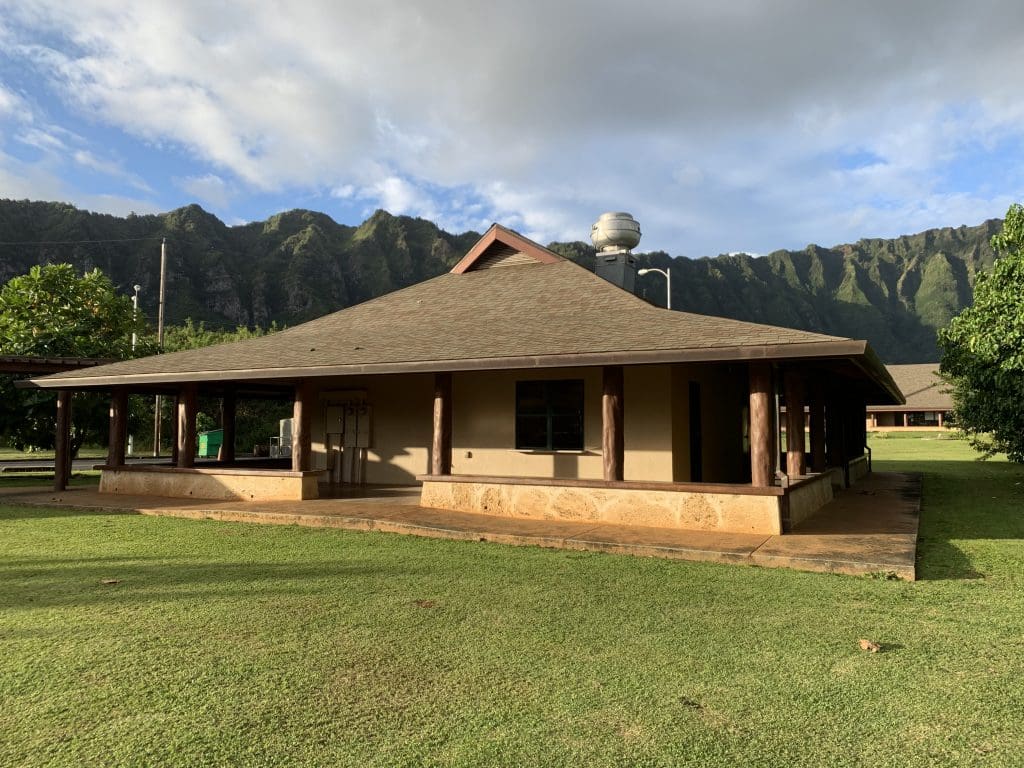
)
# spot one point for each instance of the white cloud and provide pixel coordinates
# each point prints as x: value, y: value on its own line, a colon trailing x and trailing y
x: 12, y: 105
x: 209, y: 188
x: 107, y: 167
x: 25, y: 181
x: 721, y: 126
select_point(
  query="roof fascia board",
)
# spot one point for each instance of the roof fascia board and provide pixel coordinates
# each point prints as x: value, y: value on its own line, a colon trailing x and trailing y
x: 820, y: 350
x: 875, y: 370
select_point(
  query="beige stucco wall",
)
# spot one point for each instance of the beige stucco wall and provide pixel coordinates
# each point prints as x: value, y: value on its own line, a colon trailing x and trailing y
x: 723, y: 399
x: 649, y: 423
x: 210, y: 484
x: 858, y: 468
x: 680, y: 424
x: 401, y: 428
x: 807, y: 497
x: 725, y: 512
x: 656, y: 424
x: 483, y: 427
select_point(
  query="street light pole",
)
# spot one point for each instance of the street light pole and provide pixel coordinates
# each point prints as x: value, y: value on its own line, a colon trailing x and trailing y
x: 667, y: 272
x: 135, y: 314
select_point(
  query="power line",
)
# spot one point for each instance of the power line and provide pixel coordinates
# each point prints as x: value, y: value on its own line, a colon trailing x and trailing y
x: 83, y: 242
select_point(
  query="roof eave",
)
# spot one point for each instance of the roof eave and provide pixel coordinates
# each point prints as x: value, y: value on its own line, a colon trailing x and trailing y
x: 875, y: 369
x: 845, y: 348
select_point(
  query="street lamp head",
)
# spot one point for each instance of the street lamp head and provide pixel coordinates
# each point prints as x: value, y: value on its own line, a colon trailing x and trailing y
x: 642, y: 271
x: 137, y: 288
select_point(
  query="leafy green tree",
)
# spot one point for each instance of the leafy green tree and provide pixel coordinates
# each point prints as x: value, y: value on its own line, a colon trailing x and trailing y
x: 983, y: 350
x: 52, y: 312
x: 192, y: 335
x: 255, y: 419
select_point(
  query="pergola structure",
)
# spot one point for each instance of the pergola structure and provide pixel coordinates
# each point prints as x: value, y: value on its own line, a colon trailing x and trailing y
x: 31, y: 365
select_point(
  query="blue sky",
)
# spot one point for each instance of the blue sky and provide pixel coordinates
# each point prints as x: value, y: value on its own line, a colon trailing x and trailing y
x: 741, y: 126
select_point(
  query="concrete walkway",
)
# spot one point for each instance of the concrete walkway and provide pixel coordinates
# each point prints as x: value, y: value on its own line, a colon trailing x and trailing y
x: 870, y: 528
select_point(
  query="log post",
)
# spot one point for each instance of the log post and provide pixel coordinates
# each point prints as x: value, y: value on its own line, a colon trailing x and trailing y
x: 817, y: 428
x: 761, y: 432
x: 796, y: 462
x: 441, y: 448
x: 613, y: 439
x: 62, y: 442
x: 227, y: 423
x: 175, y: 432
x: 118, y: 427
x: 187, y: 426
x: 302, y: 418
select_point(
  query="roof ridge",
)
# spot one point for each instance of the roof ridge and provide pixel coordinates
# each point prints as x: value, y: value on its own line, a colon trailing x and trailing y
x: 509, y: 237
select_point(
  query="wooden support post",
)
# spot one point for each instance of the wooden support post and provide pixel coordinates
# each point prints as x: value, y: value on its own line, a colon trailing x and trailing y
x: 62, y: 443
x: 441, y: 448
x: 796, y: 461
x: 227, y: 423
x: 174, y: 430
x: 817, y: 427
x: 613, y: 439
x: 940, y: 419
x: 186, y: 419
x: 906, y: 419
x: 118, y: 427
x: 302, y: 419
x: 762, y: 443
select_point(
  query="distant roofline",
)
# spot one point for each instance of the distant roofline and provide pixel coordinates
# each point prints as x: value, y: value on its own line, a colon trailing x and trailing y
x: 34, y: 364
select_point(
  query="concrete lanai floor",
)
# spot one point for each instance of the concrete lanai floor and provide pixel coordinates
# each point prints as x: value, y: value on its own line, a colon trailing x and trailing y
x: 870, y: 528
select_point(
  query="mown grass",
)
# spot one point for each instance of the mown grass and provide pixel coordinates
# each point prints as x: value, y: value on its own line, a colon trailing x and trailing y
x: 82, y: 479
x: 232, y: 644
x: 13, y: 454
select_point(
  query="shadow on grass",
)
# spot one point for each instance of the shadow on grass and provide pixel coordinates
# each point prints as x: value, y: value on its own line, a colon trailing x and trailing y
x: 22, y: 512
x: 51, y: 583
x: 964, y: 502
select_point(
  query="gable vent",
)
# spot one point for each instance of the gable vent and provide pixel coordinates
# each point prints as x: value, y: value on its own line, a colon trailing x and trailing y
x: 501, y: 255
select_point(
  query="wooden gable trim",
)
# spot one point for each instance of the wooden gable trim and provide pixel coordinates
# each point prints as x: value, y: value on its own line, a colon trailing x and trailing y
x: 498, y: 234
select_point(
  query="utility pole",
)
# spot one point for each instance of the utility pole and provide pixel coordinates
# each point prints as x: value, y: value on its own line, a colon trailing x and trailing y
x: 160, y: 340
x: 135, y: 338
x: 135, y: 314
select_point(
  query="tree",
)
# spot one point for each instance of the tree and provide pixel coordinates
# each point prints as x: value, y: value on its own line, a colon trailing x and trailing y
x: 255, y: 419
x: 52, y: 312
x: 983, y: 350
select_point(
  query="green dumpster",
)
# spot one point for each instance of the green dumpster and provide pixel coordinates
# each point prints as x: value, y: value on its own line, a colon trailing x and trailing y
x: 210, y: 443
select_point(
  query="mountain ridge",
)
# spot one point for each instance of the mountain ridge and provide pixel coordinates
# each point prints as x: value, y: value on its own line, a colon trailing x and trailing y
x: 300, y: 264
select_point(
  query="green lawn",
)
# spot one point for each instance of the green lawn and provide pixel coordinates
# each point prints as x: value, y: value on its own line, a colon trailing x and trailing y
x: 20, y: 479
x: 12, y: 454
x: 231, y: 644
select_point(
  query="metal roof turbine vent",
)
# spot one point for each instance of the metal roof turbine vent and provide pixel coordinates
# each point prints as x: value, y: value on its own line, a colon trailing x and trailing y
x: 614, y: 235
x: 613, y: 232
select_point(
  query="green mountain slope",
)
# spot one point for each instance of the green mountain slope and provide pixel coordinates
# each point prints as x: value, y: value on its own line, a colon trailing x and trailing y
x: 300, y: 264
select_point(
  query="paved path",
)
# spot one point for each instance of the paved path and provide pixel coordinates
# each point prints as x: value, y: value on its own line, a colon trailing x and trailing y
x: 870, y: 528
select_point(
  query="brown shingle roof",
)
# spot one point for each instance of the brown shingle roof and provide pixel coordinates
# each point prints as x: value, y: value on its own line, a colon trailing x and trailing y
x: 549, y: 313
x: 921, y: 386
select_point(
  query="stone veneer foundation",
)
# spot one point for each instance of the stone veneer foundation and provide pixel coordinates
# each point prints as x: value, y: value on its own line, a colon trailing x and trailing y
x: 221, y: 484
x: 689, y: 506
